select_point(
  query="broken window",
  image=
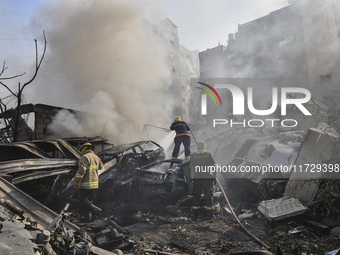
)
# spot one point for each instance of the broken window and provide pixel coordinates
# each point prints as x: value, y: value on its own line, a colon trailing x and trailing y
x: 326, y: 78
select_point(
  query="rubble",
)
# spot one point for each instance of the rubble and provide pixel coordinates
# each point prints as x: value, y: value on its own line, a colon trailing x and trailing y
x: 282, y: 208
x: 146, y: 202
x: 316, y: 149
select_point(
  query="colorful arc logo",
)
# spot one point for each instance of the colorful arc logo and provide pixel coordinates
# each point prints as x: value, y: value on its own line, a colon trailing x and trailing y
x: 209, y: 93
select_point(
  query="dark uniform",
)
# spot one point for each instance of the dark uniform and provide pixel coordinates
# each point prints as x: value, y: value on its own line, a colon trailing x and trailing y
x: 200, y: 163
x: 182, y: 136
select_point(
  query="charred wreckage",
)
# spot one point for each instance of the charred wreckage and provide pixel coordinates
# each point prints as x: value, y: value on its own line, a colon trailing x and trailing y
x: 40, y: 214
x: 38, y: 174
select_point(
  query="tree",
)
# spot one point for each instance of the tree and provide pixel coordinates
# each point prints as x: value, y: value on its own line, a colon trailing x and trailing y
x: 11, y: 123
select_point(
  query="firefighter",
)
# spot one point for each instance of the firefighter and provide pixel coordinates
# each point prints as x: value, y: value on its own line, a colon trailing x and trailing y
x: 182, y: 136
x: 86, y: 179
x: 201, y: 163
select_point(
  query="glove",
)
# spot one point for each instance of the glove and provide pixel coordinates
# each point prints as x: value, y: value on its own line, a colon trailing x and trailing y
x: 75, y: 185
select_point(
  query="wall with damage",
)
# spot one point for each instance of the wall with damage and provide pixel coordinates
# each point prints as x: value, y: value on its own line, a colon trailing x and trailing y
x: 43, y: 116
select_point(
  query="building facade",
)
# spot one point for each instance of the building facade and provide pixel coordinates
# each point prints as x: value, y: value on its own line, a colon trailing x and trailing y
x: 295, y: 46
x: 183, y: 65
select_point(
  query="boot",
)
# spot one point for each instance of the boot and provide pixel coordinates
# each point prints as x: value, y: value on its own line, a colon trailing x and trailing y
x: 209, y: 213
x: 195, y: 214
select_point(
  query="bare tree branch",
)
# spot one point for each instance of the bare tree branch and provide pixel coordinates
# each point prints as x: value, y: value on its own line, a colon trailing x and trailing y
x: 14, y: 123
x: 3, y: 84
x: 37, y: 65
x: 8, y: 78
x: 3, y: 68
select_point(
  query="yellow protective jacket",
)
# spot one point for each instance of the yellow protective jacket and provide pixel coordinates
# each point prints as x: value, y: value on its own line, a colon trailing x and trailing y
x: 87, y: 175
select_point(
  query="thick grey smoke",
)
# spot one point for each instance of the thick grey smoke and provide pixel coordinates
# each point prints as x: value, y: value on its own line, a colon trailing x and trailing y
x: 103, y: 58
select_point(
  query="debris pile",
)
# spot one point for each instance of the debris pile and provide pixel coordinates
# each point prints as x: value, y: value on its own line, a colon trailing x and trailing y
x: 146, y: 200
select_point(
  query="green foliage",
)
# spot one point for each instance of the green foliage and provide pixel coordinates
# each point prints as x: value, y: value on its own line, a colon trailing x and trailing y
x: 327, y: 194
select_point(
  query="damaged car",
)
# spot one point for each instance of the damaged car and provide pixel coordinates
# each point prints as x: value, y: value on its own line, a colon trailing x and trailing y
x: 164, y: 181
x: 55, y: 161
x: 120, y: 166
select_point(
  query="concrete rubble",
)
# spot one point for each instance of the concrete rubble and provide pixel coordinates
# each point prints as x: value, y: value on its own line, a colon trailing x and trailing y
x: 146, y: 199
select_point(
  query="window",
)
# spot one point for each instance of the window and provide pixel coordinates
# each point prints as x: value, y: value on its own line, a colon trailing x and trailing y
x: 326, y: 78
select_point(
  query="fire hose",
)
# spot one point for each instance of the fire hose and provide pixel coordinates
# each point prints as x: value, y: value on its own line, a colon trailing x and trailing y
x: 238, y: 221
x: 231, y: 209
x: 192, y: 133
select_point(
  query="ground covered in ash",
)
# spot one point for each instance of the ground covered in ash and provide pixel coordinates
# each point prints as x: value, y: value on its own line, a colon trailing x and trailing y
x: 170, y: 230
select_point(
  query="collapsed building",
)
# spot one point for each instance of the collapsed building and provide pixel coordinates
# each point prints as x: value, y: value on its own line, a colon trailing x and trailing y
x: 138, y: 175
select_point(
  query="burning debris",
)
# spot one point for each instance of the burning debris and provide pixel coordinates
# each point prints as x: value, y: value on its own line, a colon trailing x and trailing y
x: 146, y: 201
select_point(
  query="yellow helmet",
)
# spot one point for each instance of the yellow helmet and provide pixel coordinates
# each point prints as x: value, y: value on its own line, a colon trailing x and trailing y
x: 178, y: 118
x: 84, y: 147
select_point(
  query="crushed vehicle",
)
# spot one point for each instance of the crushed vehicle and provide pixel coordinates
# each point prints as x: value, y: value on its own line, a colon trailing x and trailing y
x: 45, y: 169
x: 120, y: 163
x: 120, y: 166
x: 168, y: 180
x: 132, y: 154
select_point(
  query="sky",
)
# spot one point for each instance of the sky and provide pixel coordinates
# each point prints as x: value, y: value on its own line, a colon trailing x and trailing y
x: 201, y: 24
x: 99, y: 59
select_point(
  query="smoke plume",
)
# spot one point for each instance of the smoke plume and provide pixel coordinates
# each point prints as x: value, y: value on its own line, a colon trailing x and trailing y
x: 103, y: 58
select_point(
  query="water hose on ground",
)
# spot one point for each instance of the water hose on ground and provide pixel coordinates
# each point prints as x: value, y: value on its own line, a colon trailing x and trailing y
x: 238, y: 221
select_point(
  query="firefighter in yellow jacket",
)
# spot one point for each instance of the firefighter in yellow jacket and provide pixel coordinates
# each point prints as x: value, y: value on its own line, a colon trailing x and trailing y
x: 86, y: 180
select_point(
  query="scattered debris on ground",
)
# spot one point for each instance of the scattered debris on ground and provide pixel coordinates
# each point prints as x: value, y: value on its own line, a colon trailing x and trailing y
x: 146, y: 200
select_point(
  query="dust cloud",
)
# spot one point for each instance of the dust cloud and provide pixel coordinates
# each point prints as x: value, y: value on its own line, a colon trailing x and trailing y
x: 103, y: 58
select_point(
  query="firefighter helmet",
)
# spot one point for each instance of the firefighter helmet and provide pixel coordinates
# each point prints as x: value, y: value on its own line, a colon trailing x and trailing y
x: 178, y: 118
x: 85, y: 146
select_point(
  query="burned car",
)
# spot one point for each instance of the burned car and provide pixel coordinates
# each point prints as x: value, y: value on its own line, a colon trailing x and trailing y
x: 142, y: 152
x: 163, y: 182
x: 26, y: 164
x: 120, y: 164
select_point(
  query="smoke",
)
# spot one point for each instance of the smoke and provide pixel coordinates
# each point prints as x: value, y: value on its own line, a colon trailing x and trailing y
x: 103, y: 58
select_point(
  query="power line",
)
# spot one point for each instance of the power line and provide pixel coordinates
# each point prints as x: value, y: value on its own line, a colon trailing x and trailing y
x: 17, y: 13
x: 15, y: 39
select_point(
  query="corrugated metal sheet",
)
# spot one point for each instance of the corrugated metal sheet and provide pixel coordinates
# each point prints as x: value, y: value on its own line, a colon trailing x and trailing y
x: 35, y: 210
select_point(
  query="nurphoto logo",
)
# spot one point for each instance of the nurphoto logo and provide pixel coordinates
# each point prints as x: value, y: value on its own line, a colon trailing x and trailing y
x: 280, y: 97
